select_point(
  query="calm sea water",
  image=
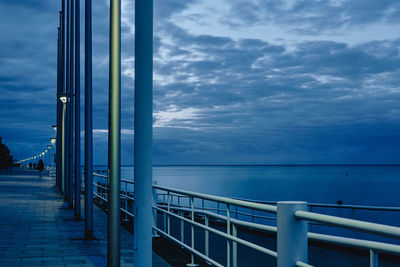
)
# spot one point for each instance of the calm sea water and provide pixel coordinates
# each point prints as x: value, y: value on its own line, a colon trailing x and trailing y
x: 353, y: 185
x: 361, y: 185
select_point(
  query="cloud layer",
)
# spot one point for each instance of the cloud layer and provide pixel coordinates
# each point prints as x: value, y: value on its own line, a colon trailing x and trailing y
x: 320, y: 89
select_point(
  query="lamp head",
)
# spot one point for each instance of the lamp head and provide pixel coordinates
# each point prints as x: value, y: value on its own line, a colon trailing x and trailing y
x: 63, y: 98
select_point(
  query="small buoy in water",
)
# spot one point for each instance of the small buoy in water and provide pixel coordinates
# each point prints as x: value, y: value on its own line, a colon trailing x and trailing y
x: 340, y: 202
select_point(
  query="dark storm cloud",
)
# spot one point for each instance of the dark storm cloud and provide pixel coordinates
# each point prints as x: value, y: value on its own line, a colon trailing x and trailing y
x: 28, y: 31
x: 218, y: 99
x: 248, y: 97
x: 310, y: 17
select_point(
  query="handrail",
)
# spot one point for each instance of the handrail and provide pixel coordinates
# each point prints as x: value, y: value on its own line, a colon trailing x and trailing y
x: 375, y: 228
x: 336, y: 240
x: 258, y: 226
x: 170, y: 208
x: 321, y: 205
x: 100, y: 175
x: 226, y: 236
x: 246, y: 204
x: 355, y: 243
x: 262, y: 207
x: 325, y: 205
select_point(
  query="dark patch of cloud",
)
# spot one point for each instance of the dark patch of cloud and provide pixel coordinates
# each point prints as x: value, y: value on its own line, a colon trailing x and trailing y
x: 220, y: 100
x: 311, y: 17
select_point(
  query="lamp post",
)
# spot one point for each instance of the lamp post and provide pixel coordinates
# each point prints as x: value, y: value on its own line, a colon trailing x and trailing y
x: 63, y: 99
x: 60, y: 92
x: 56, y: 148
x: 114, y: 136
x: 45, y: 160
x: 52, y: 140
x: 77, y: 208
x: 88, y: 123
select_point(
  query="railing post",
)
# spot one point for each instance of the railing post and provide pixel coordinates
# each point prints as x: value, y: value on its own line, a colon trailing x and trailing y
x: 292, y: 234
x: 155, y: 200
x: 373, y: 258
x: 181, y: 213
x: 192, y: 264
x: 126, y: 203
x: 168, y: 217
x: 234, y: 245
x: 228, y: 232
x: 206, y: 236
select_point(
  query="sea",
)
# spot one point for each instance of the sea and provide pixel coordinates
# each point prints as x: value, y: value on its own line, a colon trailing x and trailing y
x: 369, y: 185
x: 376, y: 185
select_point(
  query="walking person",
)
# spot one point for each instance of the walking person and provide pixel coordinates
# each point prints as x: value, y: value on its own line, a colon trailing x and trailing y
x: 40, y: 167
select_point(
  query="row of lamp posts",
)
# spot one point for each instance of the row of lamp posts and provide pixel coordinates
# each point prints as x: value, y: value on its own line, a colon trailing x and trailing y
x: 68, y: 96
x: 48, y: 152
x: 68, y: 104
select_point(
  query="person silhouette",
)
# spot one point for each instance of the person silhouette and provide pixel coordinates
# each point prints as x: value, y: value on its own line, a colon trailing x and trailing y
x: 40, y: 167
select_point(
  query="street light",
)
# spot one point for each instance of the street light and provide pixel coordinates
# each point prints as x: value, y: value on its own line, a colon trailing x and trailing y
x: 63, y: 98
x: 52, y: 140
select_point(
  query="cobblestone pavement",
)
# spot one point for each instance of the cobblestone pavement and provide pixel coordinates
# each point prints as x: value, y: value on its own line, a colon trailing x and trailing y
x: 36, y: 228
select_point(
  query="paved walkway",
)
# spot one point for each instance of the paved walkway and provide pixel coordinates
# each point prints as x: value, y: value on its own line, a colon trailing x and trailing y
x: 37, y: 229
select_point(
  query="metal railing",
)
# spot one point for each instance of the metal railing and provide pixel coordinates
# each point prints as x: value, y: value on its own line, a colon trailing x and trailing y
x: 200, y: 211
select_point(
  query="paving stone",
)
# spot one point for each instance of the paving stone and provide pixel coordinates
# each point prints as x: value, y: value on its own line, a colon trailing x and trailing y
x: 36, y: 230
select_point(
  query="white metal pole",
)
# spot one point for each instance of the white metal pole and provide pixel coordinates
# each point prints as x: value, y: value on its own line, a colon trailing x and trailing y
x: 143, y: 132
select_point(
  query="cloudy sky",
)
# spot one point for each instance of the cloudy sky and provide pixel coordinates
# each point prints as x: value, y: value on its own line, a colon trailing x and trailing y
x: 235, y: 81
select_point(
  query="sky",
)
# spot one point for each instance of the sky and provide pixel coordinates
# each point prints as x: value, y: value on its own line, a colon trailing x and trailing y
x: 235, y: 81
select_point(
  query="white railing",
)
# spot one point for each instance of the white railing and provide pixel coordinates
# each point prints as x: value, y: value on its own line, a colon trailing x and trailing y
x: 200, y: 210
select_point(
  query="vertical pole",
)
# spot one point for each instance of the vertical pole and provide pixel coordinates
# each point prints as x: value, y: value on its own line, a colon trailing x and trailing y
x: 52, y: 160
x: 206, y: 236
x: 228, y: 232
x: 292, y: 234
x: 114, y: 136
x: 77, y: 210
x: 155, y: 200
x: 373, y: 258
x: 168, y: 217
x: 143, y: 131
x: 182, y: 227
x: 192, y: 232
x: 234, y: 245
x: 59, y: 88
x: 88, y: 123
x: 59, y: 103
x: 63, y: 159
x: 62, y: 91
x: 68, y: 94
x: 70, y: 112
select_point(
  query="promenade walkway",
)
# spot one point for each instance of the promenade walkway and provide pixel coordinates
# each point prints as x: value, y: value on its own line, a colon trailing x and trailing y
x: 36, y: 228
